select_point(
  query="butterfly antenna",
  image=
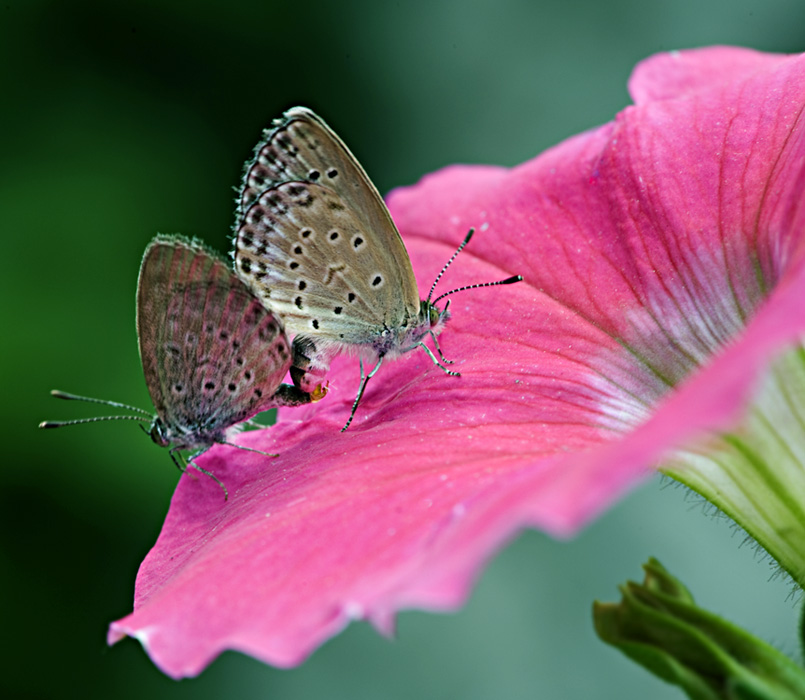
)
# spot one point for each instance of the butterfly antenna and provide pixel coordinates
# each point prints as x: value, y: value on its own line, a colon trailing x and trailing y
x: 62, y: 423
x: 449, y: 262
x: 508, y: 280
x: 74, y: 397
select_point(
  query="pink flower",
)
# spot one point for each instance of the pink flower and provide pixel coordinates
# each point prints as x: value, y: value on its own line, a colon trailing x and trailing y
x: 662, y: 257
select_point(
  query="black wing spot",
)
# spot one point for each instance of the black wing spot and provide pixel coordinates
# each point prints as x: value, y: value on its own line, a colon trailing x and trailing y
x: 247, y: 375
x: 258, y: 393
x: 298, y: 302
x: 314, y: 175
x: 293, y: 265
x: 298, y: 250
x: 333, y: 235
x: 338, y: 309
x: 178, y: 388
x: 332, y: 172
x: 223, y: 335
x: 232, y: 386
x: 302, y: 284
x: 351, y: 297
x: 239, y: 361
x: 357, y: 242
x: 378, y: 280
x: 315, y: 324
x: 209, y: 386
x: 305, y: 232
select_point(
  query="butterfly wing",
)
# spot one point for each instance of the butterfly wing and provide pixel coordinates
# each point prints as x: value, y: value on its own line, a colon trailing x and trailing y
x: 212, y: 354
x: 309, y: 256
x: 303, y: 149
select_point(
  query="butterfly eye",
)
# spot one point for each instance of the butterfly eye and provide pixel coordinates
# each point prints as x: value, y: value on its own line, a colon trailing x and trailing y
x: 433, y: 316
x: 158, y: 434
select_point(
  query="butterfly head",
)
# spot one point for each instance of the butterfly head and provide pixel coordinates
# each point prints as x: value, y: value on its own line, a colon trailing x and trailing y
x: 432, y: 316
x: 159, y: 433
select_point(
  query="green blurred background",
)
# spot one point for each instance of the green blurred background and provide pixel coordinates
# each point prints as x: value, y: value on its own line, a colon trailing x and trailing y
x: 121, y: 120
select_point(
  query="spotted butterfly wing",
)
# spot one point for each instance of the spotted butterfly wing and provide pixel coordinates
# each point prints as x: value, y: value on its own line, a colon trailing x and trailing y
x: 212, y: 354
x: 311, y: 258
x: 336, y: 217
x: 302, y: 147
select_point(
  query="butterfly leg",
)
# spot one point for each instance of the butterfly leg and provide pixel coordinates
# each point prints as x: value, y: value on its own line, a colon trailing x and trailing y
x: 179, y: 465
x: 437, y: 363
x: 364, y: 381
x: 249, y: 449
x: 191, y: 463
x: 438, y: 349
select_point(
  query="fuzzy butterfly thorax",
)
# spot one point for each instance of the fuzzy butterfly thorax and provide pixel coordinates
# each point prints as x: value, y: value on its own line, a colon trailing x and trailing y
x: 394, y: 341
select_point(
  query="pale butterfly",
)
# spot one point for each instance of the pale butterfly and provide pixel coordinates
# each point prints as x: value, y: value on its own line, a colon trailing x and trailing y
x: 213, y: 355
x: 315, y: 240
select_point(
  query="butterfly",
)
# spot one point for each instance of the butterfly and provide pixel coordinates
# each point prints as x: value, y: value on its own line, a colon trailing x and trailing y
x: 213, y: 355
x: 316, y: 242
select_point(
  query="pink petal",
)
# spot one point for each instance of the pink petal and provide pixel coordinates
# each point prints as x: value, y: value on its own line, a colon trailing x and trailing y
x: 660, y: 252
x: 681, y: 73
